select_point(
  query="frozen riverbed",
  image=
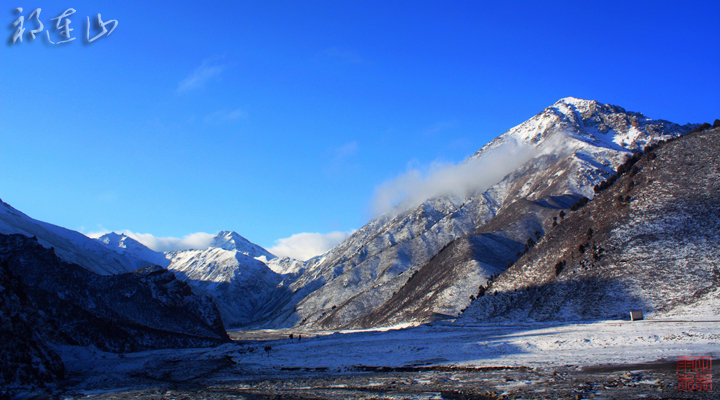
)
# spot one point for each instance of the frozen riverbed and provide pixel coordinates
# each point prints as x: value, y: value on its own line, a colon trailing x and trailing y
x: 506, y: 357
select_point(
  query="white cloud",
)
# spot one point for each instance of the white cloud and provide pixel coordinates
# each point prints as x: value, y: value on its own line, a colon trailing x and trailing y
x: 208, y: 70
x: 226, y: 115
x: 346, y: 150
x: 199, y: 240
x: 306, y: 245
x: 413, y: 187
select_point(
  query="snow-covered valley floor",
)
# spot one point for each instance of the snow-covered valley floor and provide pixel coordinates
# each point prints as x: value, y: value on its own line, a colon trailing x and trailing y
x: 606, y: 359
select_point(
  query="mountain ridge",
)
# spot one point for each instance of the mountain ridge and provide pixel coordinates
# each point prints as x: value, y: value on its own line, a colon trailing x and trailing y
x: 369, y: 268
x: 70, y: 245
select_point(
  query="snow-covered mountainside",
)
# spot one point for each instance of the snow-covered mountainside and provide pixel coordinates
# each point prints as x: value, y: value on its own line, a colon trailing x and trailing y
x: 286, y: 265
x: 71, y: 246
x: 234, y: 273
x: 123, y: 244
x: 385, y: 273
x: 247, y: 282
x: 649, y: 241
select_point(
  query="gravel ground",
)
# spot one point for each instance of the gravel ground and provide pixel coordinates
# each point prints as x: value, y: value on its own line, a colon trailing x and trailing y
x: 652, y: 381
x: 603, y: 360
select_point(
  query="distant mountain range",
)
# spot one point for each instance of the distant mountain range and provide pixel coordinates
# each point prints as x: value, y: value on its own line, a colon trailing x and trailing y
x: 247, y: 282
x: 582, y: 212
x: 406, y: 266
x: 241, y: 276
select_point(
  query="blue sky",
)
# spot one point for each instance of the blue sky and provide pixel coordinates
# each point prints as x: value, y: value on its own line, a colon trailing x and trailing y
x: 276, y: 118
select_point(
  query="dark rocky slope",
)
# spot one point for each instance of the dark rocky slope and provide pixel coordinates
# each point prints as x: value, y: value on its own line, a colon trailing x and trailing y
x: 650, y: 239
x: 25, y: 359
x: 45, y: 301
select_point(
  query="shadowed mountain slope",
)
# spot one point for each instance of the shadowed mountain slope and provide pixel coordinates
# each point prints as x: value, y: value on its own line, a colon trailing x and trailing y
x: 649, y: 240
x: 45, y: 301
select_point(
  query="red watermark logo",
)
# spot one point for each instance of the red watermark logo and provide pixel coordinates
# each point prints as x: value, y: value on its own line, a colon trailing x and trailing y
x: 694, y: 373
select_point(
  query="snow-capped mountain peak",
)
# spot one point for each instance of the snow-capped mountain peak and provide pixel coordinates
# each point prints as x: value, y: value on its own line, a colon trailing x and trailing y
x: 588, y: 124
x: 231, y: 240
x: 236, y: 273
x: 124, y: 244
x: 119, y: 240
x: 576, y: 102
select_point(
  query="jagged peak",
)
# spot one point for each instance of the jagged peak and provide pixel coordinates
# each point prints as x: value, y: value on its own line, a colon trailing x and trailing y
x: 122, y: 243
x: 118, y: 240
x: 570, y: 106
x: 114, y: 235
x: 231, y: 240
x: 575, y: 101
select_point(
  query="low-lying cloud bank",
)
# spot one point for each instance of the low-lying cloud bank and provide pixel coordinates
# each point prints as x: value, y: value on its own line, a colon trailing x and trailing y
x: 306, y: 245
x: 473, y: 175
